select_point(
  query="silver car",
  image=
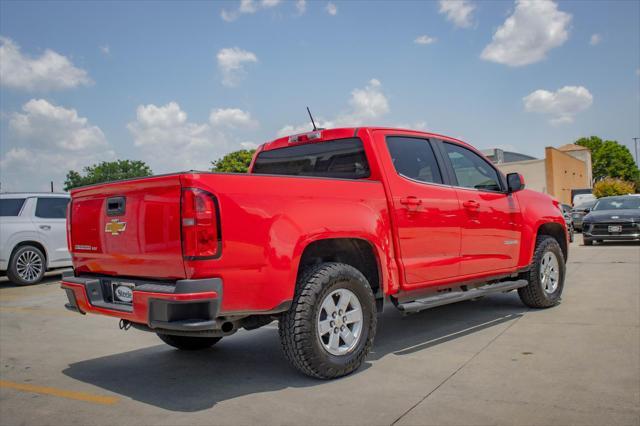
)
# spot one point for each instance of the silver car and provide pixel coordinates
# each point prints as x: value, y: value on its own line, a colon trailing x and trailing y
x: 33, y: 235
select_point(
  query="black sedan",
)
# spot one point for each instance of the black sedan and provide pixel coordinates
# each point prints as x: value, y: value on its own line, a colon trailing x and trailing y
x: 613, y: 218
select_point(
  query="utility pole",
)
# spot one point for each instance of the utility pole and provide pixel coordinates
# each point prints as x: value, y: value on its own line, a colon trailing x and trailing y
x: 635, y: 145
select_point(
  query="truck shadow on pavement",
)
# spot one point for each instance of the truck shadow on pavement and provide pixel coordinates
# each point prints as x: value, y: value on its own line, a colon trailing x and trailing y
x: 252, y: 362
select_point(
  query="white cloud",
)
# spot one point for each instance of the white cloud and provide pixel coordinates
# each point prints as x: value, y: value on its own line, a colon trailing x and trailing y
x: 248, y: 145
x: 105, y: 49
x: 248, y: 7
x: 562, y: 105
x: 47, y: 141
x: 49, y: 71
x: 171, y: 142
x: 332, y: 9
x: 368, y: 103
x: 366, y: 106
x: 425, y: 39
x: 301, y: 6
x: 460, y: 12
x: 232, y: 117
x: 231, y: 62
x: 525, y: 37
x: 269, y: 3
x: 595, y: 39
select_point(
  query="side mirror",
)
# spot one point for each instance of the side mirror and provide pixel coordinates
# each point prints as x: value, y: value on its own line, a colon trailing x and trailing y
x: 515, y: 182
x: 587, y: 210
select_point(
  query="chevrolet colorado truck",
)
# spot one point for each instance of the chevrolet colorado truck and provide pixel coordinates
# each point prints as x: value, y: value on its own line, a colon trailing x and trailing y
x: 324, y: 228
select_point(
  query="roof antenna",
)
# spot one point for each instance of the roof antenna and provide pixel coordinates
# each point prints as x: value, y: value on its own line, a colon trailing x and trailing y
x: 312, y: 122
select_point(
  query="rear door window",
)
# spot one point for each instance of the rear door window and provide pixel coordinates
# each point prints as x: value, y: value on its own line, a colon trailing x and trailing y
x: 11, y: 206
x: 52, y: 208
x: 414, y: 158
x: 340, y: 158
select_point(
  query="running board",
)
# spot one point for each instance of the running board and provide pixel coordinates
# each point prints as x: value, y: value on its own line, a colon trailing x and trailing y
x: 440, y: 299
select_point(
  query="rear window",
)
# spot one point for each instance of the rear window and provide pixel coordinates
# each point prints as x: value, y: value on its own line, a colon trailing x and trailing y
x: 11, y: 206
x: 52, y: 208
x: 340, y: 158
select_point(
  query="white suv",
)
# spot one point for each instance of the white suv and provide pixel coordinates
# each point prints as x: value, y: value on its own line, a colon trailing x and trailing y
x: 33, y: 235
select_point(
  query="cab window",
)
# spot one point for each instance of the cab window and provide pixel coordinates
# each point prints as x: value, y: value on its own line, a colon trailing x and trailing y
x: 471, y: 170
x: 414, y: 158
x: 340, y: 158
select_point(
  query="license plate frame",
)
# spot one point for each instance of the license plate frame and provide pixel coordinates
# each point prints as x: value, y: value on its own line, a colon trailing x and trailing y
x: 116, y: 298
x: 614, y: 229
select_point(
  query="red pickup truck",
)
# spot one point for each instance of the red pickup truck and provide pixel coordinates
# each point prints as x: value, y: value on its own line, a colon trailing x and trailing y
x: 323, y: 229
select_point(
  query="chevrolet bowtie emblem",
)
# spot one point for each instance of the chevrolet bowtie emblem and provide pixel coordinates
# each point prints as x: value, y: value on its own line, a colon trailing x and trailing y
x: 115, y: 227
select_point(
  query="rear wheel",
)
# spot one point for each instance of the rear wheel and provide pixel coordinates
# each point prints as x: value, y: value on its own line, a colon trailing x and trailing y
x: 188, y: 343
x: 27, y: 266
x: 546, y: 277
x: 330, y: 327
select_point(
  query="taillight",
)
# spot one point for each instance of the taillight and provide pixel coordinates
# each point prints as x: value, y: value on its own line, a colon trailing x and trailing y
x: 69, y: 247
x: 201, y: 237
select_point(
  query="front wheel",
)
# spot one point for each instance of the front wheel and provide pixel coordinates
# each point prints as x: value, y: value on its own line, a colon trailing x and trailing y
x: 546, y: 277
x: 330, y: 327
x: 188, y: 343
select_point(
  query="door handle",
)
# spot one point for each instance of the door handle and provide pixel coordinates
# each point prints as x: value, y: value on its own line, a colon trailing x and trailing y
x: 411, y: 202
x: 471, y: 205
x: 45, y: 227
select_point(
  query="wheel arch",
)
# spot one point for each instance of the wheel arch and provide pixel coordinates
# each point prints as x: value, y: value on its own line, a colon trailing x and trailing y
x: 356, y: 252
x: 557, y: 232
x: 34, y: 243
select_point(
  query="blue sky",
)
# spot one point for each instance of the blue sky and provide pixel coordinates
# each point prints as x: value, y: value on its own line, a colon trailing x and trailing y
x: 178, y: 84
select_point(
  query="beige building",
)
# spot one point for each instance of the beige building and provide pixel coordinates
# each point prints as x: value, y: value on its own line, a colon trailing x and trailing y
x: 561, y: 171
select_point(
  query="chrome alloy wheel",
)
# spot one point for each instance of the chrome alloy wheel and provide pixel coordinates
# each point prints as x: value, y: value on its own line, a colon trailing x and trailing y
x: 549, y: 272
x: 29, y: 265
x: 340, y: 322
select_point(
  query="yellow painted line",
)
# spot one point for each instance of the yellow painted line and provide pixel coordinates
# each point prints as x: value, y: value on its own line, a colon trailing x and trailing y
x: 23, y: 309
x: 44, y: 390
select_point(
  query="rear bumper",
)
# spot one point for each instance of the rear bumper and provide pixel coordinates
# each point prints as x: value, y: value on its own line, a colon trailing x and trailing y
x: 186, y: 306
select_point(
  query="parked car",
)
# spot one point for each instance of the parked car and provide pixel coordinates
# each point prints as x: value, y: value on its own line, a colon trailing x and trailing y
x: 579, y: 212
x: 33, y: 236
x: 580, y: 199
x: 613, y: 218
x: 568, y: 218
x: 324, y: 227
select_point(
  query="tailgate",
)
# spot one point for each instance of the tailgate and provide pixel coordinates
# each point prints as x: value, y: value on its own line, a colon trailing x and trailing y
x: 129, y: 228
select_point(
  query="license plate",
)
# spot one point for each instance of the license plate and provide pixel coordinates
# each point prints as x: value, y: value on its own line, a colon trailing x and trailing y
x: 122, y: 292
x: 615, y: 228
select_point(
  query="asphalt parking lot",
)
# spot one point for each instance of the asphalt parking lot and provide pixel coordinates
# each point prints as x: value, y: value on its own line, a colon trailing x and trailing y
x: 490, y: 361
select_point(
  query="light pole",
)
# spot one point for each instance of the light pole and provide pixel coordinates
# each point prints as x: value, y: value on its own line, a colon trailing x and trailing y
x: 635, y: 145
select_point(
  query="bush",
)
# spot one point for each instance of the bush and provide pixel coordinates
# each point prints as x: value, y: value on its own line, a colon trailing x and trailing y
x: 610, y: 186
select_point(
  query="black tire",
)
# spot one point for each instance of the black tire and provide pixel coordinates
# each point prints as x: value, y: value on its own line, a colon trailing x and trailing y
x: 586, y: 241
x: 188, y: 343
x: 534, y: 295
x: 26, y: 251
x: 299, y: 335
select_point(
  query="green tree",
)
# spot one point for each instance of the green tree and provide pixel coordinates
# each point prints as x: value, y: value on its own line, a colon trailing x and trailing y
x: 234, y: 162
x: 107, y: 171
x: 610, y: 159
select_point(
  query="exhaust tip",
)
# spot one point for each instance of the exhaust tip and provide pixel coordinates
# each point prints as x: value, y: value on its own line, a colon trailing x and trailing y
x: 227, y: 327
